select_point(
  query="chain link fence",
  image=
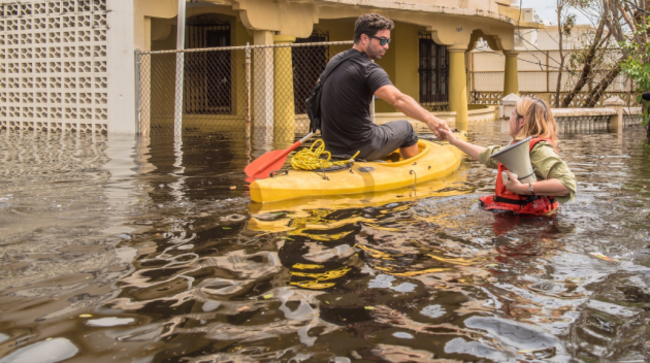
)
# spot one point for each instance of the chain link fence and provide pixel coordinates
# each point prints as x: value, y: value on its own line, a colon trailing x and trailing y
x: 231, y: 92
x: 538, y: 74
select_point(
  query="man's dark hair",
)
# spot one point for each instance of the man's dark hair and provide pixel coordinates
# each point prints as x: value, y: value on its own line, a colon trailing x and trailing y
x: 370, y: 24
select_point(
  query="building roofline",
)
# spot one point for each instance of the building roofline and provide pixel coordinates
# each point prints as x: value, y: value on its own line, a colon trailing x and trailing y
x: 505, y: 13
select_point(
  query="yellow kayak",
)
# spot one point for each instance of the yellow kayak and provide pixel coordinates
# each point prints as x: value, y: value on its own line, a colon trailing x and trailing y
x: 435, y: 160
x: 286, y: 211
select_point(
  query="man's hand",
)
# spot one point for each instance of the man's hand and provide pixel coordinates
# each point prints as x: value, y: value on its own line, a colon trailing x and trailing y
x: 435, y: 124
x: 449, y: 135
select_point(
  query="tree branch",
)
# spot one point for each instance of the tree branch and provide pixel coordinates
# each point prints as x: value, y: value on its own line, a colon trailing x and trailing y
x: 586, y: 70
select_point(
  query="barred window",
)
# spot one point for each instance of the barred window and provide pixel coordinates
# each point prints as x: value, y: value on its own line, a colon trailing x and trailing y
x: 434, y: 73
x: 208, y: 75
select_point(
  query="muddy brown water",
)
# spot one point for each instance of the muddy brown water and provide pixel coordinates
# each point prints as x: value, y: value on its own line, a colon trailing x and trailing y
x: 114, y: 249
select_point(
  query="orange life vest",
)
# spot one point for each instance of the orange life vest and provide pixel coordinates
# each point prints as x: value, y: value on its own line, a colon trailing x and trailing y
x: 520, y: 204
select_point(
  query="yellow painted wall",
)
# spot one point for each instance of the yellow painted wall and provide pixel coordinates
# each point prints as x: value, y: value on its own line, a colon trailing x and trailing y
x: 401, y: 62
x: 388, y: 62
x: 162, y: 87
x: 239, y: 36
x: 165, y: 44
x: 339, y: 30
x: 407, y: 49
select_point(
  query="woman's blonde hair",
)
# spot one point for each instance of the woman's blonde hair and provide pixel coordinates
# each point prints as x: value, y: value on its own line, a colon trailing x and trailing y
x: 538, y: 119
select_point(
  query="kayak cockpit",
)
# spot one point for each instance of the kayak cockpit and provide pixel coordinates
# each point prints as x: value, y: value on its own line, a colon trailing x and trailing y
x: 394, y: 158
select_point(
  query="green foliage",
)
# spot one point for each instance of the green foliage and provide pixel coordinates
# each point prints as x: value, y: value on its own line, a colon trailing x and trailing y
x: 581, y: 4
x: 569, y: 23
x: 637, y: 66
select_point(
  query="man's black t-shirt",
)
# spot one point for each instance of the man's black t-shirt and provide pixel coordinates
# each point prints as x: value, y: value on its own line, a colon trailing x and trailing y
x: 345, y: 102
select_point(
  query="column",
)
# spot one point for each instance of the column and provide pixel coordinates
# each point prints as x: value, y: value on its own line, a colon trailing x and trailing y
x: 511, y: 79
x: 144, y: 73
x: 458, y: 85
x: 616, y: 121
x: 508, y: 104
x: 121, y: 67
x: 283, y: 106
x: 262, y: 88
x: 144, y: 92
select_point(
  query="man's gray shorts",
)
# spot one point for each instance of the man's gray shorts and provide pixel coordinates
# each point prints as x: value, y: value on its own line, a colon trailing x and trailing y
x: 387, y: 138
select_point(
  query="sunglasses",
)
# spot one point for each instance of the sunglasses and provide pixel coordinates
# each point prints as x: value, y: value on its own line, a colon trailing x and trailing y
x: 382, y: 41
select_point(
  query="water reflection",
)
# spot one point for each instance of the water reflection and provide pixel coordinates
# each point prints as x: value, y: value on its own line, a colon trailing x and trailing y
x: 149, y: 250
x: 48, y: 351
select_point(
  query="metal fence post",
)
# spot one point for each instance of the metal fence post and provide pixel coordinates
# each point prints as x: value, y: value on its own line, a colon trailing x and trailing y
x: 180, y: 67
x: 372, y: 105
x: 248, y: 91
x: 472, y: 73
x: 249, y: 148
x: 178, y: 99
x: 548, y: 74
x: 137, y: 92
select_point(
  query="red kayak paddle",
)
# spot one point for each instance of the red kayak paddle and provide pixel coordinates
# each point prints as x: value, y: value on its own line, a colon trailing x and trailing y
x: 261, y: 167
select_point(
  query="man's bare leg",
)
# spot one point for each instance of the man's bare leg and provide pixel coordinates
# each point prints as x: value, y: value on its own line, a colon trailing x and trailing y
x: 409, y: 151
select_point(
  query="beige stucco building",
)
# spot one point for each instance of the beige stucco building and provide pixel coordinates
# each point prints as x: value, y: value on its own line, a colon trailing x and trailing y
x: 453, y: 30
x: 428, y: 58
x: 547, y: 37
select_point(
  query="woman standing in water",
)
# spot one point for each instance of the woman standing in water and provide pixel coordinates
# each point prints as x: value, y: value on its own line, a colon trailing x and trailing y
x: 555, y: 182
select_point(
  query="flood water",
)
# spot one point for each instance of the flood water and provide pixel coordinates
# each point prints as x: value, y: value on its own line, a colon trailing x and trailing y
x: 113, y: 249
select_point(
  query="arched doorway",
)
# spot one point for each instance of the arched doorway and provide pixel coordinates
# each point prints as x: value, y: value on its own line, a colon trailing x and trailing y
x: 208, y: 75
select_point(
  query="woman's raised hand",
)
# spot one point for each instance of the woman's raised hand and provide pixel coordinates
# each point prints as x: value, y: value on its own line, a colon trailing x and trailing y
x: 470, y: 149
x: 449, y: 135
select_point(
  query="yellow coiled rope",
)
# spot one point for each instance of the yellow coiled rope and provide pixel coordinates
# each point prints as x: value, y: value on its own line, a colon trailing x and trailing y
x: 309, y: 159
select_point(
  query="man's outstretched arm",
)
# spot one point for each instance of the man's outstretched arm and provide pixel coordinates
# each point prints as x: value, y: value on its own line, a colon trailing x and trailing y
x: 407, y: 105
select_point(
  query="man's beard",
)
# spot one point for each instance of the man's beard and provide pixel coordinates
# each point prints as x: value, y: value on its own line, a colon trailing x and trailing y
x: 375, y: 55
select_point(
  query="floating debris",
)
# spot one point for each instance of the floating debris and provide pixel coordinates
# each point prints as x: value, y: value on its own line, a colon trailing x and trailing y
x: 233, y: 218
x: 603, y: 257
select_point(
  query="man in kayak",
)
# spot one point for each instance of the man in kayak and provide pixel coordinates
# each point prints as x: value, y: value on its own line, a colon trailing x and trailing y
x: 349, y: 89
